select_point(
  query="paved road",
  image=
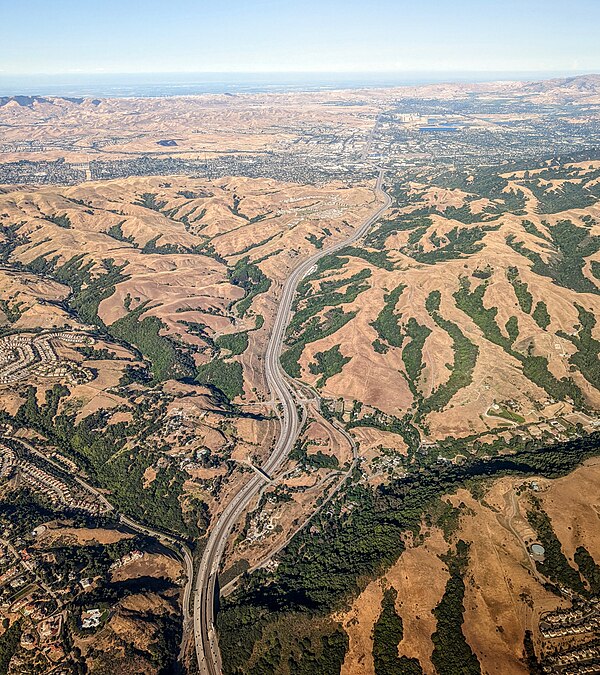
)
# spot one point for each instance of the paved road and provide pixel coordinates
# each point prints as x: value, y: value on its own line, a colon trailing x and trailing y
x: 232, y: 585
x: 205, y: 636
x: 174, y: 544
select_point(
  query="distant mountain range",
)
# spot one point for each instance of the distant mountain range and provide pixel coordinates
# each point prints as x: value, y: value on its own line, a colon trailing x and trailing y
x: 589, y: 84
x: 578, y: 84
x: 29, y: 101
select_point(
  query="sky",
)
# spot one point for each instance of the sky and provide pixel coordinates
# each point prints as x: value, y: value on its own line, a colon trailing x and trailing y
x: 168, y: 36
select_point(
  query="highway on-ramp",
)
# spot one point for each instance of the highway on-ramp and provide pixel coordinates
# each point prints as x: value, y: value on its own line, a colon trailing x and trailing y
x: 205, y: 636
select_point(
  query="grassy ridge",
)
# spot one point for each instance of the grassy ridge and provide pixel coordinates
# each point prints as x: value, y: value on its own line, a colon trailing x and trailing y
x: 452, y: 653
x: 357, y: 538
x: 535, y: 368
x: 387, y: 634
x: 465, y: 358
x: 226, y: 376
x: 328, y: 364
x: 168, y: 362
x: 386, y: 324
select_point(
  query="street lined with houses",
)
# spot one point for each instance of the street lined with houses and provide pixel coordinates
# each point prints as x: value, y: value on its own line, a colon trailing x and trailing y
x: 20, y: 461
x: 24, y: 355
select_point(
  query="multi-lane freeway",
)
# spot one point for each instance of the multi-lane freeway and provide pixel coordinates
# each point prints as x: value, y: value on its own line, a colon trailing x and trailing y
x: 205, y: 636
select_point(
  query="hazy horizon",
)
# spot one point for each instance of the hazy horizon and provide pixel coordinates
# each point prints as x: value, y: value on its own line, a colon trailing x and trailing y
x: 152, y: 84
x: 300, y: 337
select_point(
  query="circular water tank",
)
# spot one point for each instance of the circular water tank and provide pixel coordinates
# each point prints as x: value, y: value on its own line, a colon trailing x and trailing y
x: 537, y: 549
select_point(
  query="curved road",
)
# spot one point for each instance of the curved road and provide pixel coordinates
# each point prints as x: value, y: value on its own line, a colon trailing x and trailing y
x: 167, y: 540
x: 205, y: 636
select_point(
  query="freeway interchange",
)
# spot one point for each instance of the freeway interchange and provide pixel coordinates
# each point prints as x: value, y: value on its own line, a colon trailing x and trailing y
x: 282, y: 389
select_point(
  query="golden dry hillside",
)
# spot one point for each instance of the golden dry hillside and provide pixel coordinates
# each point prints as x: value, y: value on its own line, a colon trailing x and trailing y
x: 175, y: 281
x: 469, y: 313
x: 191, y: 258
x: 187, y: 127
x: 506, y: 594
x: 456, y: 346
x: 427, y: 513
